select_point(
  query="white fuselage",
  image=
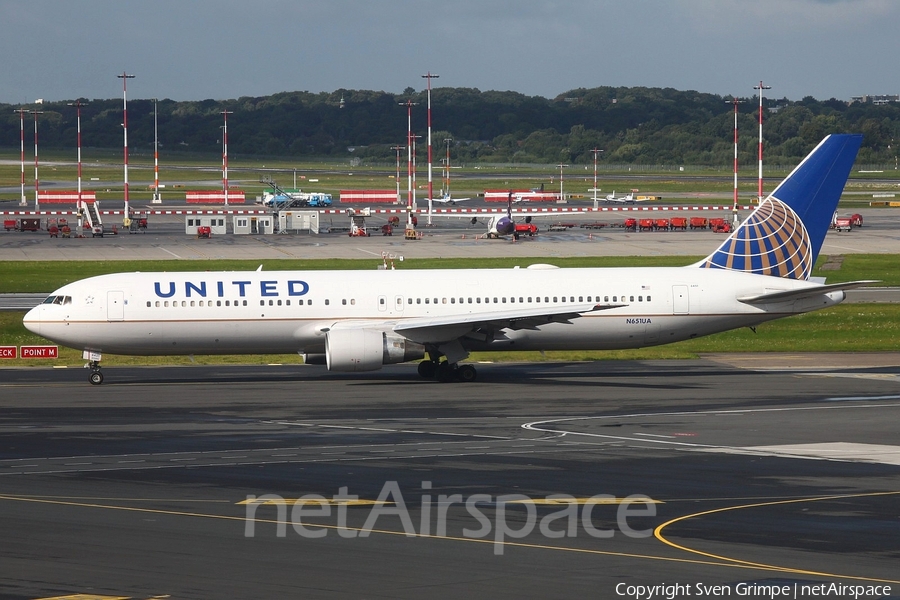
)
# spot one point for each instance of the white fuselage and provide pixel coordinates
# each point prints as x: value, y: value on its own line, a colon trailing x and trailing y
x: 291, y: 311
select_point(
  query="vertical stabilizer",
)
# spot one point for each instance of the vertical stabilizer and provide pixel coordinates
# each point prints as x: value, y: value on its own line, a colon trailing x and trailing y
x: 783, y: 236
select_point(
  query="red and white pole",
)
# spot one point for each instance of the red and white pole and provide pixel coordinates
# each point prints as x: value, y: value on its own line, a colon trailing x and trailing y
x: 125, y: 77
x: 157, y: 199
x: 761, y: 87
x: 429, y: 76
x: 734, y: 210
x: 409, y: 164
x: 596, y: 152
x: 37, y: 204
x: 446, y: 185
x: 397, y: 177
x: 22, y: 111
x: 225, y: 114
x: 78, y: 104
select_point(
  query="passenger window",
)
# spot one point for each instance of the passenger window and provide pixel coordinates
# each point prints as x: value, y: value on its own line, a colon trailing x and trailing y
x: 327, y: 302
x: 344, y: 302
x: 148, y: 304
x: 648, y: 298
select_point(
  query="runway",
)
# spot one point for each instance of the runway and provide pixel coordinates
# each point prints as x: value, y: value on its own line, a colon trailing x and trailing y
x: 178, y: 481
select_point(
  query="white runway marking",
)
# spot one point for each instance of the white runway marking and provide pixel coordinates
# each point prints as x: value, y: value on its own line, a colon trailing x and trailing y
x: 840, y: 451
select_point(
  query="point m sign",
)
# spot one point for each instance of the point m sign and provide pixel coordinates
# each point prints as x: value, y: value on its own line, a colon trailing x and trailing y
x: 40, y: 352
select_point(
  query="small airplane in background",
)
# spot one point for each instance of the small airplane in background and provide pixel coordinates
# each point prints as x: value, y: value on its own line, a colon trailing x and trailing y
x: 627, y: 199
x: 448, y: 199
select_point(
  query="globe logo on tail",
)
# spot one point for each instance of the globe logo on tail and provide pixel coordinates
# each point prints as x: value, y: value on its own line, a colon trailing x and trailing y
x: 772, y: 241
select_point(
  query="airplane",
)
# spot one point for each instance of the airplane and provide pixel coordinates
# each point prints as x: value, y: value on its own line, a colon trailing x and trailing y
x: 361, y: 320
x: 627, y: 199
x: 447, y: 199
x: 502, y: 225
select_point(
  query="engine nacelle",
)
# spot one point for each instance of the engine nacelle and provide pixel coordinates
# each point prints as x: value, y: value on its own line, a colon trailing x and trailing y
x: 367, y: 349
x: 313, y: 359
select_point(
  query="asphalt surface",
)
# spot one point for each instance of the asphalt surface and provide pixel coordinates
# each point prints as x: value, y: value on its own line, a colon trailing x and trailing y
x: 783, y: 470
x: 451, y: 236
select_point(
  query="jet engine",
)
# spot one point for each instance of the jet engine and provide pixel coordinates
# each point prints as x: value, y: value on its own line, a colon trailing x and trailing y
x: 367, y: 349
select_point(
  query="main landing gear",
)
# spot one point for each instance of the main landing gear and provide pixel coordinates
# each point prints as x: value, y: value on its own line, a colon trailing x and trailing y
x: 446, y: 372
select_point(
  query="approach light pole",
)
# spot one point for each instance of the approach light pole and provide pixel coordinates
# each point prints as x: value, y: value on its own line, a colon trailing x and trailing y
x: 37, y: 202
x: 429, y: 76
x: 596, y: 152
x: 446, y: 184
x: 225, y: 114
x: 561, y: 167
x: 409, y: 164
x: 734, y: 210
x: 397, y: 178
x: 22, y: 111
x: 125, y: 77
x: 761, y: 87
x: 78, y: 104
x: 157, y: 198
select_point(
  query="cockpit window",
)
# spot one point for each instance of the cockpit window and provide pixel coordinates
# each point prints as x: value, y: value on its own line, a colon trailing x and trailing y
x: 58, y: 300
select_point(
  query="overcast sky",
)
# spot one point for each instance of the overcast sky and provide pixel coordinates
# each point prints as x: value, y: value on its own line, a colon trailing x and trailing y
x: 222, y: 49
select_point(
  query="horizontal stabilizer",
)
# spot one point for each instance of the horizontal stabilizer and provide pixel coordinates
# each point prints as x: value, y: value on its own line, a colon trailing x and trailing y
x: 806, y: 292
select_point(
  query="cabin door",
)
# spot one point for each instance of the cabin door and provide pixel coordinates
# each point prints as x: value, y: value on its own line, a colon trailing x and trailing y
x: 681, y: 303
x: 115, y: 306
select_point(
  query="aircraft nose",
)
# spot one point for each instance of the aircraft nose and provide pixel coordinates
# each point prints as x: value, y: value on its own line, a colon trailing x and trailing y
x: 32, y: 320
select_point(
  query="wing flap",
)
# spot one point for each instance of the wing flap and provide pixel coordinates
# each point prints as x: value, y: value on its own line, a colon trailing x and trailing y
x: 442, y: 329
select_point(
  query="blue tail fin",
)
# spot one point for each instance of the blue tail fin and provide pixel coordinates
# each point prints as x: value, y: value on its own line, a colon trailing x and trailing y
x: 783, y: 236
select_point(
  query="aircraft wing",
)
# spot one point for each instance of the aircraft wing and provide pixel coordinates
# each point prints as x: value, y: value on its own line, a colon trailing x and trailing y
x: 445, y: 200
x: 806, y: 292
x: 443, y: 329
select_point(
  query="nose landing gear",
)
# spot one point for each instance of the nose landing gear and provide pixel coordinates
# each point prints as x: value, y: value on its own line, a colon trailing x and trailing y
x: 96, y: 377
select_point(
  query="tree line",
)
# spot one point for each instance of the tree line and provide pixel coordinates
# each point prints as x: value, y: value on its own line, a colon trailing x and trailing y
x: 633, y: 125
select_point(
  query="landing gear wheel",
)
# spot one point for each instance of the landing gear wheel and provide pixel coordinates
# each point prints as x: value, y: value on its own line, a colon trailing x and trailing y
x: 96, y: 377
x: 446, y: 372
x: 466, y: 373
x: 427, y: 369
